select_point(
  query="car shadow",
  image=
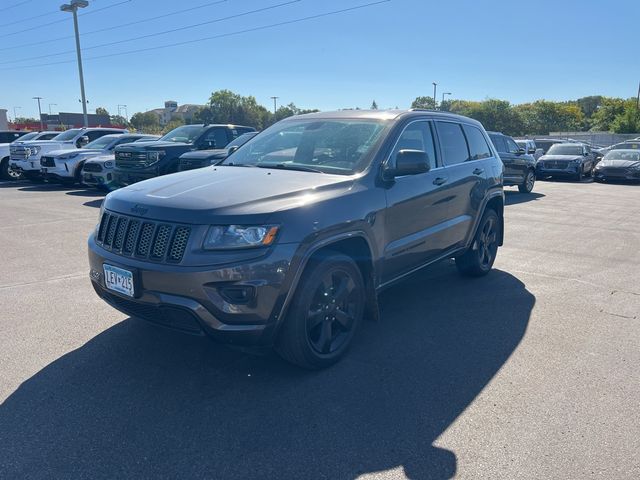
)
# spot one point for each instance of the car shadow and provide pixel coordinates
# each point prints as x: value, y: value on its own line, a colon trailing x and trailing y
x: 139, y: 401
x: 97, y: 203
x: 513, y: 198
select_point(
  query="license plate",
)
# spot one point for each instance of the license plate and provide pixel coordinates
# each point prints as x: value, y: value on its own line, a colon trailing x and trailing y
x: 118, y: 280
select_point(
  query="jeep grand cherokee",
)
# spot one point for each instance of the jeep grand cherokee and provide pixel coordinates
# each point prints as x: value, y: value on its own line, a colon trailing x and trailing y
x: 290, y: 246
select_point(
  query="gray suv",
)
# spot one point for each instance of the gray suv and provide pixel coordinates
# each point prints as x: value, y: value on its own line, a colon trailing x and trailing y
x: 288, y: 243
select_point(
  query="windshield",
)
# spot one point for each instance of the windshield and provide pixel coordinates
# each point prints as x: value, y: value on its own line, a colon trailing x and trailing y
x: 101, y: 143
x: 242, y: 139
x: 186, y: 134
x: 623, y: 155
x: 27, y: 137
x: 327, y: 146
x: 68, y: 135
x: 565, y: 149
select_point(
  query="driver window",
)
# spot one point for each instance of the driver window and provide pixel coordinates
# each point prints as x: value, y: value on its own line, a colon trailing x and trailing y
x: 511, y: 146
x: 416, y: 136
x: 215, y: 138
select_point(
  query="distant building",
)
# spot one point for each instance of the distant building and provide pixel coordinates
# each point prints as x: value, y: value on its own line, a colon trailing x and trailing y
x: 172, y: 111
x: 69, y: 120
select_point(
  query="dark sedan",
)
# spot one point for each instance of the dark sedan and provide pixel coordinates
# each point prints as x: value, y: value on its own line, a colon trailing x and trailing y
x: 204, y: 158
x: 574, y: 160
x: 619, y: 165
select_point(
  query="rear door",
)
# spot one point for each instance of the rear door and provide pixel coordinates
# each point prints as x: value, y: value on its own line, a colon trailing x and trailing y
x: 464, y: 150
x: 508, y: 158
x: 416, y: 214
x: 518, y: 164
x: 215, y: 138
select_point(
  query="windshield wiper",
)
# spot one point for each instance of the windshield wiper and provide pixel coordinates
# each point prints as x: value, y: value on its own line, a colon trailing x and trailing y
x: 289, y: 166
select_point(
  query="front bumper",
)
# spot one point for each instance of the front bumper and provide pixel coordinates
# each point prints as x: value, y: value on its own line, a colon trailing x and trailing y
x: 616, y: 174
x: 125, y: 177
x: 204, y: 300
x: 25, y: 166
x: 57, y: 173
x: 569, y: 171
x: 98, y: 179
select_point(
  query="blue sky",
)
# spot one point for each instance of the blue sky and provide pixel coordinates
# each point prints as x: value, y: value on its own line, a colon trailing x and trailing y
x: 390, y: 52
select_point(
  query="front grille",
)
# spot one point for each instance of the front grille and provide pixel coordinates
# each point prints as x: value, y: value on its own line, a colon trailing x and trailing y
x: 192, y: 164
x: 18, y: 153
x: 92, y: 167
x: 561, y: 165
x: 47, y: 162
x: 131, y: 160
x: 130, y: 236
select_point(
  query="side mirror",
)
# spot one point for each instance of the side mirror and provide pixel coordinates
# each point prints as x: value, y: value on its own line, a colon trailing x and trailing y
x: 82, y: 141
x: 532, y: 151
x: 409, y: 162
x: 586, y: 154
x: 232, y: 149
x: 521, y: 151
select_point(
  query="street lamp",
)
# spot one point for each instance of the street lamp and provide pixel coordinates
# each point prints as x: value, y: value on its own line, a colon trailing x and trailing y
x: 435, y: 86
x: 50, y: 105
x: 126, y: 113
x: 73, y: 8
x: 443, y: 94
x: 39, y: 112
x: 275, y: 99
x: 15, y: 114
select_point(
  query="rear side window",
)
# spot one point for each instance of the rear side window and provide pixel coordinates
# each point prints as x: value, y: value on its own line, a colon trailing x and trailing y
x: 453, y: 143
x: 417, y: 136
x: 499, y: 143
x: 512, y: 147
x: 216, y: 138
x: 478, y: 147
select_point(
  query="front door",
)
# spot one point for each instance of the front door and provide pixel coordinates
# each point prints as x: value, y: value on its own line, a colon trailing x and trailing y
x: 416, y: 214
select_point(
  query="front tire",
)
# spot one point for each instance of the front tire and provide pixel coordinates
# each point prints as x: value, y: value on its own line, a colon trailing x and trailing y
x: 7, y: 173
x: 529, y: 182
x: 327, y: 308
x: 478, y: 260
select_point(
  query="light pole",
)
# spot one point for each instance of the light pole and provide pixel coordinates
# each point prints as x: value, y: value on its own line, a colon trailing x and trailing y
x: 15, y: 114
x: 39, y: 112
x: 73, y: 8
x: 50, y: 105
x: 124, y: 107
x: 435, y: 86
x: 275, y: 105
x: 443, y: 94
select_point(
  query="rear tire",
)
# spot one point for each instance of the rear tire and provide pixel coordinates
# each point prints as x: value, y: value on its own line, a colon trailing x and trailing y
x: 327, y: 308
x: 529, y: 182
x: 478, y: 259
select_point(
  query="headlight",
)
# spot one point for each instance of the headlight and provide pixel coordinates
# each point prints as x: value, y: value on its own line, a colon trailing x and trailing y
x: 221, y: 237
x: 153, y: 157
x: 69, y: 156
x: 108, y: 164
x: 33, y: 151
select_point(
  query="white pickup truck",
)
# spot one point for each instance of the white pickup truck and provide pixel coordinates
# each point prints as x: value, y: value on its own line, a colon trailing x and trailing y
x: 9, y: 138
x: 25, y: 157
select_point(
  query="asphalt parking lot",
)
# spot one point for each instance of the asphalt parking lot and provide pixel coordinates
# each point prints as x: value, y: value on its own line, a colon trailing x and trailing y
x: 531, y: 372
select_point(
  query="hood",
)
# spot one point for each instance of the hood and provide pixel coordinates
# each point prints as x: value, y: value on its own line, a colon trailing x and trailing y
x: 611, y: 163
x: 75, y: 151
x: 102, y: 158
x: 214, y: 194
x: 205, y: 154
x: 561, y: 157
x: 152, y: 145
x: 38, y: 143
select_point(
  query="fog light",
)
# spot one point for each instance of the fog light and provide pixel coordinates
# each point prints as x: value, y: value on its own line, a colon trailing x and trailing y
x: 238, y: 294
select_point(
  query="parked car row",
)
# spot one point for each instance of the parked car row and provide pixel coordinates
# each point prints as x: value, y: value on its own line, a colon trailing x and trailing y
x: 107, y: 158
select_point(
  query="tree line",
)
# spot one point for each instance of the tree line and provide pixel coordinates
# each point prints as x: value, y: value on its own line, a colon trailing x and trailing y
x: 594, y: 113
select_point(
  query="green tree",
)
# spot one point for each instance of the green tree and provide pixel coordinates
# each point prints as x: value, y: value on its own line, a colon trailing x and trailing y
x: 542, y: 117
x: 175, y: 123
x: 119, y: 120
x: 610, y: 108
x: 374, y: 105
x: 101, y: 111
x: 424, y: 102
x: 226, y: 106
x: 629, y: 120
x: 147, y: 122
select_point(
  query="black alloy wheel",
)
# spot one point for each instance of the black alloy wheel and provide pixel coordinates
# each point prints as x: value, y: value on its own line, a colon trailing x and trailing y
x: 529, y: 182
x: 478, y: 260
x: 326, y: 311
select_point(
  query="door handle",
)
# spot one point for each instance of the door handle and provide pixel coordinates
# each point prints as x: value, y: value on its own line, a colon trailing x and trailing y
x: 440, y: 180
x: 478, y: 171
